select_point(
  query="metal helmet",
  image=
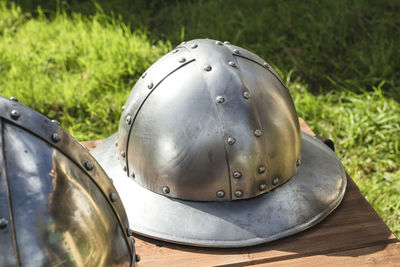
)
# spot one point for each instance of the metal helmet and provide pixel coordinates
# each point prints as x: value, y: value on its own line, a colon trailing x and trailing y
x: 209, y: 152
x: 57, y: 206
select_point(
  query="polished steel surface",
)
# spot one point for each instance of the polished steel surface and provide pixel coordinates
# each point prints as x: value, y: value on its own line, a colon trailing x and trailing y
x: 211, y: 153
x: 59, y: 213
x: 201, y: 124
x: 314, y: 192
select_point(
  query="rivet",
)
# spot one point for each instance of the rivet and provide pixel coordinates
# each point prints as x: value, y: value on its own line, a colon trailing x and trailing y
x: 275, y: 181
x: 227, y: 43
x: 133, y: 175
x: 207, y: 68
x: 55, y: 137
x: 137, y: 257
x: 220, y: 193
x: 56, y: 122
x: 236, y: 51
x: 220, y: 99
x: 3, y: 222
x: 219, y: 43
x: 238, y: 193
x: 166, y: 190
x: 150, y: 85
x: 232, y: 64
x: 123, y: 108
x: 298, y: 162
x: 257, y: 133
x: 266, y: 65
x: 237, y: 174
x: 182, y: 59
x: 128, y: 119
x: 123, y: 154
x: 15, y: 114
x: 246, y: 95
x: 231, y: 140
x: 194, y: 46
x: 262, y: 187
x: 124, y: 168
x: 175, y: 51
x: 116, y: 143
x: 13, y: 98
x: 89, y: 165
x: 261, y: 169
x: 144, y: 75
x: 113, y: 197
x: 183, y: 43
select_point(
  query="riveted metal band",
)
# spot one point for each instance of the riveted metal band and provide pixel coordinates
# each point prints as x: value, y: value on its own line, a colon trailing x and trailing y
x: 238, y: 116
x: 42, y: 127
x: 143, y: 89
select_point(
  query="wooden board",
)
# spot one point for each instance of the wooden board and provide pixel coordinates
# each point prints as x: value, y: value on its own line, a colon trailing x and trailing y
x: 353, y: 235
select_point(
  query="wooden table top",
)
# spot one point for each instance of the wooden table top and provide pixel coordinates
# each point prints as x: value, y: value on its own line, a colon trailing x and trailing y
x: 353, y: 235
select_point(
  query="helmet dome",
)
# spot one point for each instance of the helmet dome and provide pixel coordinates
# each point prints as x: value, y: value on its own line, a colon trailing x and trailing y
x: 209, y: 122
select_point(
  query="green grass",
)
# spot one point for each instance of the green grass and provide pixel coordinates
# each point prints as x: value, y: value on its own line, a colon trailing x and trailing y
x: 76, y: 70
x: 366, y: 131
x: 341, y: 44
x: 79, y: 69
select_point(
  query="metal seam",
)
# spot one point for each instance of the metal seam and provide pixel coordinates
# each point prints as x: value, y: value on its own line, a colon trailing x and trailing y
x: 276, y: 76
x: 268, y: 163
x: 14, y: 238
x: 222, y: 131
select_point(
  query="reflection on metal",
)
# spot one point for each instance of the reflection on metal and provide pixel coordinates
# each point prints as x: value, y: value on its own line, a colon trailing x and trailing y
x: 53, y: 209
x: 314, y: 192
x: 215, y: 148
x: 174, y: 133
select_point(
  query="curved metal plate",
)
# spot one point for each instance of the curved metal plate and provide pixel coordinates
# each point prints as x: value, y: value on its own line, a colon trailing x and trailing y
x: 60, y: 207
x: 146, y: 85
x: 174, y: 152
x: 314, y: 192
x: 44, y: 128
x: 238, y: 117
x: 59, y: 217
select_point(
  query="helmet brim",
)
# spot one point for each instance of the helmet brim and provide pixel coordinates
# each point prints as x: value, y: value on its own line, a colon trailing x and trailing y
x: 307, y: 198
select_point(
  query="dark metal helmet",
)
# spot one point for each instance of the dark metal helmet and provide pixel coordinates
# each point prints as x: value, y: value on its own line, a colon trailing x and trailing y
x: 57, y: 206
x: 210, y: 152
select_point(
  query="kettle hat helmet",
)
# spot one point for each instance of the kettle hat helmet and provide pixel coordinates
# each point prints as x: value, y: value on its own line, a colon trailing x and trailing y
x: 209, y: 152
